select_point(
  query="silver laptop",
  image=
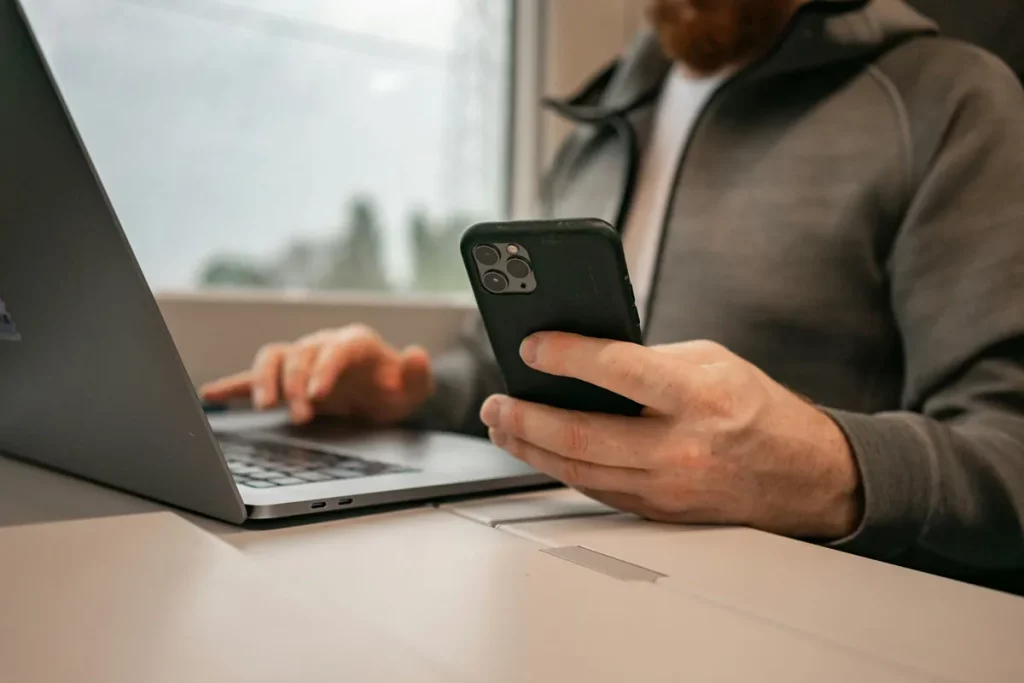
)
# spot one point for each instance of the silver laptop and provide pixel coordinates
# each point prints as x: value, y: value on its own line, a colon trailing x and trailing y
x: 90, y: 380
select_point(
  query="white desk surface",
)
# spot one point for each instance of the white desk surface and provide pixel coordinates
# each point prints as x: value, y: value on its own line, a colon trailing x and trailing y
x: 472, y: 592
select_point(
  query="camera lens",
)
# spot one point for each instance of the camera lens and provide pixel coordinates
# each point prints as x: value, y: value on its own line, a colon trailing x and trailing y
x: 495, y: 282
x: 517, y: 268
x: 486, y: 254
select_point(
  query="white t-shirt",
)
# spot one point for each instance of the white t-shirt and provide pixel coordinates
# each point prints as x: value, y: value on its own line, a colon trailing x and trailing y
x: 681, y: 102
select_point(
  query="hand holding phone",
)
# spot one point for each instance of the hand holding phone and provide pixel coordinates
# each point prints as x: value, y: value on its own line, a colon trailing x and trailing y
x: 552, y: 276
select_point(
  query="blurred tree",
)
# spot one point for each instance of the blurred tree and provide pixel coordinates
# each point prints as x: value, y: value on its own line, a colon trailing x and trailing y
x: 235, y: 271
x: 356, y: 260
x: 300, y: 264
x: 353, y: 258
x: 438, y: 265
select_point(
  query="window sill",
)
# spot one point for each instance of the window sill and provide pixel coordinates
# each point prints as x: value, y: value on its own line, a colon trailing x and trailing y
x: 309, y: 297
x: 218, y: 333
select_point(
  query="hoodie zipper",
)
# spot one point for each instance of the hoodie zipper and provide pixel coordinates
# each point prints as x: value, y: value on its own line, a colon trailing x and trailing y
x: 712, y: 103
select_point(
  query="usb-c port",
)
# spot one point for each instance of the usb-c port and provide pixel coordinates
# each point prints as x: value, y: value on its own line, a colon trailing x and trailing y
x: 345, y: 501
x: 317, y: 506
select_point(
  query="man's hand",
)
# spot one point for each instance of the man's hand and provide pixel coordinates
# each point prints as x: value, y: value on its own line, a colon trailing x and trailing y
x: 348, y: 372
x: 719, y: 443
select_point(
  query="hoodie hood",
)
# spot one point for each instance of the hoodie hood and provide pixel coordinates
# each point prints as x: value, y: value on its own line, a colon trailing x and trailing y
x: 822, y: 33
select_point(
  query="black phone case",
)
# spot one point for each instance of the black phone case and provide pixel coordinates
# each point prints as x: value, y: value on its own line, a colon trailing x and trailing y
x: 582, y: 287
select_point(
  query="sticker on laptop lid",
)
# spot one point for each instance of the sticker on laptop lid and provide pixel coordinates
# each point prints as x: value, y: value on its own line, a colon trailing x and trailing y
x: 8, y: 330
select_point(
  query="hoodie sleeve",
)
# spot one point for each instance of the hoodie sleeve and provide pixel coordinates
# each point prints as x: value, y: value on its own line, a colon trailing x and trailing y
x: 944, y: 478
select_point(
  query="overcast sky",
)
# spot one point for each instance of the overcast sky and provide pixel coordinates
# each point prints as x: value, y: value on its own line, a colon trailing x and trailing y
x: 230, y: 125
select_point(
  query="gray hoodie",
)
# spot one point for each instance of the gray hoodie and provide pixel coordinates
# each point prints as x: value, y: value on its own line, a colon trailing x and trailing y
x: 849, y: 216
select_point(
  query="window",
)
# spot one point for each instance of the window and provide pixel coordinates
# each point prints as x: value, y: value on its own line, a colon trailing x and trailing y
x: 309, y: 144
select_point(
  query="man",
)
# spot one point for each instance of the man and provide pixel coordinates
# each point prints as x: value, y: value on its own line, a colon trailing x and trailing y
x: 832, y: 196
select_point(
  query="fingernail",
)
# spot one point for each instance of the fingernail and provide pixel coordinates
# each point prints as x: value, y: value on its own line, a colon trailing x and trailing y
x: 315, y: 388
x: 528, y: 350
x: 301, y: 412
x: 390, y: 379
x: 490, y: 413
x: 498, y: 438
x: 259, y: 399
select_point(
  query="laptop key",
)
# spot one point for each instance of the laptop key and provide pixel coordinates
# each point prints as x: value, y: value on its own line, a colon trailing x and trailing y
x: 258, y: 484
x: 343, y: 472
x: 287, y: 467
x: 313, y: 476
x: 288, y: 481
x: 263, y: 474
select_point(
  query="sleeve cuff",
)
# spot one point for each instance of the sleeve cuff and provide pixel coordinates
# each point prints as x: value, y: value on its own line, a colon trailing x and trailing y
x: 453, y: 405
x: 897, y: 476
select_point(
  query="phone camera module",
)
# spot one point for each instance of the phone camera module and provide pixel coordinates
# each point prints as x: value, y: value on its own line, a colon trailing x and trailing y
x: 495, y: 282
x: 518, y: 268
x: 487, y: 255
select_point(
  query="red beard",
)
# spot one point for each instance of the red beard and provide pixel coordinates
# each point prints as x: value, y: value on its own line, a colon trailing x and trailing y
x: 708, y: 35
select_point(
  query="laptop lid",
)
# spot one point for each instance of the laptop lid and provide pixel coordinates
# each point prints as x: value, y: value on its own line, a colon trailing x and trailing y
x: 90, y: 380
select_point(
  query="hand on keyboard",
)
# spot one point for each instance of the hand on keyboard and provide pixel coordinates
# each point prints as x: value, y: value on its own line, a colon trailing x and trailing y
x: 347, y: 372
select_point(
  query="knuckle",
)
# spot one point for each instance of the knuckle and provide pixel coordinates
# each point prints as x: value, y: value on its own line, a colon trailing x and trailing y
x: 311, y: 339
x: 679, y: 456
x: 293, y: 372
x: 718, y: 400
x: 358, y: 331
x: 516, y: 418
x: 551, y: 353
x: 668, y: 455
x: 706, y: 347
x: 576, y: 436
x: 515, y: 447
x: 572, y: 473
x: 269, y: 351
x: 692, y: 454
x: 296, y: 369
x: 631, y: 372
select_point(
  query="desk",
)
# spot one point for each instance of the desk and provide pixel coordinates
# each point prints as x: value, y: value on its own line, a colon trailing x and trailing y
x: 474, y: 592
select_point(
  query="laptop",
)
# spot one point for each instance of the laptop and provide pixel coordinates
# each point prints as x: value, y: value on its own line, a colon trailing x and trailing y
x: 90, y: 380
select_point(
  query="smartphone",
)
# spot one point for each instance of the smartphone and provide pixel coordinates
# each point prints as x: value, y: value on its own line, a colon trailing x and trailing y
x: 552, y: 276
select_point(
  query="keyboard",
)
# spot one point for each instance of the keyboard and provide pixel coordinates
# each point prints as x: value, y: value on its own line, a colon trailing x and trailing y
x: 263, y: 464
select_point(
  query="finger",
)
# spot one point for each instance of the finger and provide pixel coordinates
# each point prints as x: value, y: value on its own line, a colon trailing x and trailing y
x: 697, y: 352
x: 349, y: 348
x: 623, y: 502
x: 417, y: 376
x: 406, y: 384
x: 679, y: 514
x: 574, y: 473
x: 600, y: 439
x: 636, y: 505
x: 267, y: 375
x: 653, y: 379
x: 297, y: 365
x: 227, y: 388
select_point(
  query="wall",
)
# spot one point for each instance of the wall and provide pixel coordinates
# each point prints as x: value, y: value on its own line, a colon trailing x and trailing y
x: 580, y: 37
